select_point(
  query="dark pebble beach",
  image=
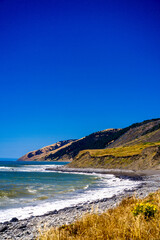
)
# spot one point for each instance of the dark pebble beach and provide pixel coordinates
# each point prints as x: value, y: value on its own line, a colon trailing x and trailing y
x: 29, y: 228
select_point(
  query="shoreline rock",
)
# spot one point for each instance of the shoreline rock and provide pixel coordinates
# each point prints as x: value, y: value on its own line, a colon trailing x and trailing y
x: 117, y: 172
x: 28, y: 229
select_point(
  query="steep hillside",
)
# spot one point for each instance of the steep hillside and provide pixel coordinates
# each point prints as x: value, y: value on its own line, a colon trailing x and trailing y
x: 38, y: 155
x: 108, y: 138
x: 137, y: 148
x: 140, y: 156
x: 70, y: 149
x: 96, y: 140
x: 147, y: 131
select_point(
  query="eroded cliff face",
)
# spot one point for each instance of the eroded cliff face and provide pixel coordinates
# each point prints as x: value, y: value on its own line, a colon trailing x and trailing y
x: 139, y: 133
x: 149, y: 158
x: 137, y: 148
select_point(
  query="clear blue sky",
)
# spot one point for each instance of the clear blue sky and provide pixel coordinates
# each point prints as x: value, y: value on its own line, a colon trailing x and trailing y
x: 70, y: 68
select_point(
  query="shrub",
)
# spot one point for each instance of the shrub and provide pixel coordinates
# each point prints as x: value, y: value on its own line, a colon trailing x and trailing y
x: 147, y: 209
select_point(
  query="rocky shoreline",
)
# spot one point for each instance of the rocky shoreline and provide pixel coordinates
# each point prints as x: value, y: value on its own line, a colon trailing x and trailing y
x: 28, y: 229
x: 117, y: 172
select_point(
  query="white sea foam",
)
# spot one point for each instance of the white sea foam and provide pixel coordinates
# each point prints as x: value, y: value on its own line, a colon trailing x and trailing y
x: 5, y: 168
x: 108, y: 186
x: 28, y: 168
x: 86, y: 187
x: 31, y: 190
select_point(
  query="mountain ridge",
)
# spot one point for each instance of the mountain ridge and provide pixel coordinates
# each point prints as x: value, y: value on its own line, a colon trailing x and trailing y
x: 70, y: 150
x: 40, y: 153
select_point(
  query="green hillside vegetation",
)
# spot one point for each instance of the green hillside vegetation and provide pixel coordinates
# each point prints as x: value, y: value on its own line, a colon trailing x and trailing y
x: 108, y: 138
x: 144, y: 132
x: 119, y: 151
x: 136, y: 219
x: 96, y: 140
x: 135, y: 157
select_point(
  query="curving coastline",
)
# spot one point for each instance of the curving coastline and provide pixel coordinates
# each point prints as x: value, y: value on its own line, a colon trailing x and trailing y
x: 28, y: 229
x: 117, y: 172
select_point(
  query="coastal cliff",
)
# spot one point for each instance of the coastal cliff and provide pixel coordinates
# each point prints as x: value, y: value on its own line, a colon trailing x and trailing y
x: 134, y: 147
x: 39, y: 155
x: 67, y: 150
x: 135, y: 158
x: 138, y: 148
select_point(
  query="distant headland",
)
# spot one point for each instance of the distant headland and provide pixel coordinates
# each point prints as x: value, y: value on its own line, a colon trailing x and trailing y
x: 136, y: 147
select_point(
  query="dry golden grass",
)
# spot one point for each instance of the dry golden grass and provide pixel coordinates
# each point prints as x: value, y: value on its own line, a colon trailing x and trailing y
x: 119, y: 151
x: 117, y: 224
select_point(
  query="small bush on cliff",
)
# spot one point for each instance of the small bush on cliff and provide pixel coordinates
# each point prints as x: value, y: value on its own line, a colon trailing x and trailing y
x: 146, y: 209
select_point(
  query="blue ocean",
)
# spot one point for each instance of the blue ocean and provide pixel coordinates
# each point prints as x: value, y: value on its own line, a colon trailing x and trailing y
x: 28, y: 189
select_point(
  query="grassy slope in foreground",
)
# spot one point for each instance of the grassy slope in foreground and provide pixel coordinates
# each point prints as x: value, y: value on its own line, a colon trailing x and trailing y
x: 135, y: 157
x: 117, y: 223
